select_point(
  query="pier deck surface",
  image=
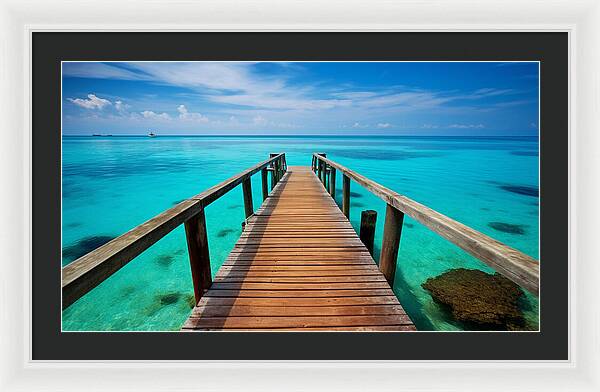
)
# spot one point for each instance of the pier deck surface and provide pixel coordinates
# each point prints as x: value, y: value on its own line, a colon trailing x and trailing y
x: 299, y: 266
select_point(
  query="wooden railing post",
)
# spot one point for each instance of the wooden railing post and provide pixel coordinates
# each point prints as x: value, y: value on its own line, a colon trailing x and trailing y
x: 319, y: 168
x: 247, y: 190
x: 346, y: 196
x: 197, y: 242
x: 322, y: 167
x: 368, y: 220
x: 391, y: 243
x: 273, y: 172
x: 332, y: 183
x: 265, y: 183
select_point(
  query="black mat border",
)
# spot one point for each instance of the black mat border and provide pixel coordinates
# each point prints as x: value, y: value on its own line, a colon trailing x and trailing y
x: 49, y: 48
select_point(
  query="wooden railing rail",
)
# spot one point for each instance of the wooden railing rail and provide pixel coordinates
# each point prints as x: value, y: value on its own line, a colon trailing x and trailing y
x: 516, y: 266
x: 88, y: 271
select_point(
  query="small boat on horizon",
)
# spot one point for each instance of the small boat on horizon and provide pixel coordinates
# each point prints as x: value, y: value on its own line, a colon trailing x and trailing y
x: 151, y: 134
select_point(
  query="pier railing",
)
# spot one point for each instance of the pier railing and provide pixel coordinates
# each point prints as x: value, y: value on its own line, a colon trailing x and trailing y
x: 516, y: 266
x: 87, y: 272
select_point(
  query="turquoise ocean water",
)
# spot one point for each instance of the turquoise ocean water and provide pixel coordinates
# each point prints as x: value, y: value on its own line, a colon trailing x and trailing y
x: 111, y: 184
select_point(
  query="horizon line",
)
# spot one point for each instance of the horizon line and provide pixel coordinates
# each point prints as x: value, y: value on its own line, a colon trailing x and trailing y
x: 292, y: 135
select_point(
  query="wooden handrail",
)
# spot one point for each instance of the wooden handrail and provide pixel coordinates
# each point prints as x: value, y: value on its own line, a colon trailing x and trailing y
x: 516, y: 266
x: 88, y: 271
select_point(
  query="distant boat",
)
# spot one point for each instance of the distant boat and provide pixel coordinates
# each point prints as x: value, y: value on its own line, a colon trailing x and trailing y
x: 151, y: 134
x: 96, y: 134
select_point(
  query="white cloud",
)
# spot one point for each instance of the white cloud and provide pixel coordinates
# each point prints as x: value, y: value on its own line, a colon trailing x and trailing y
x: 152, y: 115
x: 184, y: 114
x: 384, y: 125
x: 93, y: 102
x: 121, y: 106
x: 467, y: 126
x: 429, y: 126
x: 99, y: 71
x: 259, y: 120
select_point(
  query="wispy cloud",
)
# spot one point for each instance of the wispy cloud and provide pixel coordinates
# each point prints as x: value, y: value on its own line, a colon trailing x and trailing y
x: 184, y: 114
x: 155, y: 116
x: 466, y: 126
x: 93, y: 102
x: 249, y: 95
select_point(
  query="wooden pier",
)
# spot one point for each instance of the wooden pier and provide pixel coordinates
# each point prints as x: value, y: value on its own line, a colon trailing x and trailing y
x: 298, y: 265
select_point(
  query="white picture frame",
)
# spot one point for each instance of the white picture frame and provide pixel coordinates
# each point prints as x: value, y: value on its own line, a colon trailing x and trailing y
x: 18, y: 19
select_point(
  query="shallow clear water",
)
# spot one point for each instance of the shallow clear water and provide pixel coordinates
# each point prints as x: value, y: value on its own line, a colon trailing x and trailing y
x: 112, y: 184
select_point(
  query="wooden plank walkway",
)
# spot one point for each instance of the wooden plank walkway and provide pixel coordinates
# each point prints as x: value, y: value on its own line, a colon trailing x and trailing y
x: 299, y: 266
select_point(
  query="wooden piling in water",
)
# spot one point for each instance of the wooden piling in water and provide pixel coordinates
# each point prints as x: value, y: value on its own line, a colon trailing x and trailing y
x: 391, y: 242
x: 197, y: 242
x: 332, y: 183
x: 265, y: 184
x: 247, y: 190
x: 346, y: 196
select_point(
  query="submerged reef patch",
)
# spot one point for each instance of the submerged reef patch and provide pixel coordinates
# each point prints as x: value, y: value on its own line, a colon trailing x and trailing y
x: 164, y: 260
x: 521, y: 190
x: 168, y: 298
x: 507, y: 227
x: 225, y: 232
x: 84, y: 246
x: 478, y: 299
x: 338, y: 193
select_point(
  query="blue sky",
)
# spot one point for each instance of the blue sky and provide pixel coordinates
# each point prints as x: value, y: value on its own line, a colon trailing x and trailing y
x: 362, y: 98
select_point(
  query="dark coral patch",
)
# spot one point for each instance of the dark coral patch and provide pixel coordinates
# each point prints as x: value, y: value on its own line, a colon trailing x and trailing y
x: 168, y: 298
x: 478, y: 299
x: 522, y: 190
x: 225, y: 232
x: 74, y: 224
x: 164, y: 260
x: 234, y: 206
x: 339, y: 192
x: 409, y: 225
x: 358, y: 204
x: 507, y: 227
x: 84, y: 246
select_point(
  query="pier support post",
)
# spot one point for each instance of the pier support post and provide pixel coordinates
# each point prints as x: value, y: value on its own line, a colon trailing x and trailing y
x: 346, y: 196
x: 247, y: 189
x: 273, y: 172
x: 391, y: 243
x: 332, y: 183
x: 322, y: 168
x: 265, y: 183
x: 197, y: 242
x: 368, y: 220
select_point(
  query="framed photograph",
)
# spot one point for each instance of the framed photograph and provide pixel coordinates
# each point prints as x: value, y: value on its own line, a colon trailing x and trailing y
x: 255, y: 201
